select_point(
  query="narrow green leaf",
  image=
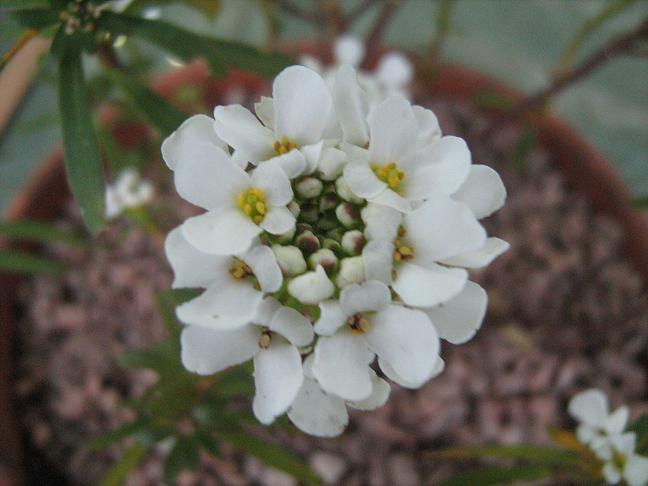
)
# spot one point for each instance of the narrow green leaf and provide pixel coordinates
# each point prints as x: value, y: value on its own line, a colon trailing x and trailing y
x: 640, y: 202
x: 166, y: 307
x: 24, y: 4
x: 183, y: 457
x: 163, y: 116
x: 120, y: 471
x: 27, y: 264
x: 163, y: 358
x: 82, y: 161
x: 180, y: 296
x: 272, y: 455
x: 640, y: 427
x: 37, y: 231
x: 491, y: 99
x: 36, y: 18
x: 210, y: 8
x: 116, y: 435
x: 499, y: 476
x: 522, y: 452
x: 220, y: 54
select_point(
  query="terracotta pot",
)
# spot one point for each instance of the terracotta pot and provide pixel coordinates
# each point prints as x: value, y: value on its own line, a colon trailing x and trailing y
x: 46, y: 193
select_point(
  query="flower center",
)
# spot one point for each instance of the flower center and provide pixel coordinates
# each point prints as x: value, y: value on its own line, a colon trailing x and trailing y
x: 239, y: 269
x: 402, y: 252
x: 266, y: 338
x: 80, y: 14
x: 283, y: 146
x: 358, y: 323
x: 390, y: 174
x: 252, y: 202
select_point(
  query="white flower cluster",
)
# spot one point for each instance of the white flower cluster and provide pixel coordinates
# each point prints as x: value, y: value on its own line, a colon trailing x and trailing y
x: 603, y: 433
x: 336, y: 230
x: 129, y: 190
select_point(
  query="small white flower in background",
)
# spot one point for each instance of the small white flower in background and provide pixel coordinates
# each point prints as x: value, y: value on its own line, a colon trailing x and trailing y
x: 603, y: 432
x: 129, y: 190
x: 339, y: 227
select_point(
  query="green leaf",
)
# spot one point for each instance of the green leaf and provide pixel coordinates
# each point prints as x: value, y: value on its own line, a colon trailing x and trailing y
x: 120, y: 471
x: 116, y: 435
x: 165, y: 117
x: 220, y: 54
x: 210, y: 8
x: 499, y: 475
x: 36, y: 18
x: 209, y: 443
x: 640, y: 202
x: 180, y: 296
x: 640, y: 427
x: 163, y: 358
x: 36, y: 231
x: 82, y: 161
x: 183, y: 457
x: 166, y: 307
x: 522, y: 452
x: 24, y: 263
x: 491, y: 99
x: 272, y: 455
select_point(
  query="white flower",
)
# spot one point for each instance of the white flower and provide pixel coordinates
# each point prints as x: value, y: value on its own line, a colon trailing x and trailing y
x: 590, y: 408
x: 292, y: 123
x: 234, y: 285
x: 621, y: 461
x: 364, y: 323
x: 271, y: 340
x: 128, y: 191
x: 319, y: 413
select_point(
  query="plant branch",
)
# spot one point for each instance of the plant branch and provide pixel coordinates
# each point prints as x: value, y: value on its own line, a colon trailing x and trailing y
x: 11, y: 53
x: 374, y: 39
x: 290, y: 8
x: 359, y: 11
x: 442, y: 27
x: 624, y: 45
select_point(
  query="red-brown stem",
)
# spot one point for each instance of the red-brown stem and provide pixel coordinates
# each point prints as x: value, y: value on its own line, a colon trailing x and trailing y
x: 374, y: 40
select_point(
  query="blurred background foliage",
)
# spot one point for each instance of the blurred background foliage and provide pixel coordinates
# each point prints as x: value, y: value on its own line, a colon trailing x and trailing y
x: 516, y: 41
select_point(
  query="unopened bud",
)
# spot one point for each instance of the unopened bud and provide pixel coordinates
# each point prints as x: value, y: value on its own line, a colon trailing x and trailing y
x: 309, y: 187
x: 286, y: 237
x: 345, y: 192
x: 308, y: 242
x: 312, y: 287
x: 323, y: 257
x: 290, y: 259
x: 328, y: 201
x: 347, y: 214
x: 331, y: 244
x: 294, y: 208
x: 327, y: 223
x: 351, y: 271
x: 309, y: 213
x: 353, y: 241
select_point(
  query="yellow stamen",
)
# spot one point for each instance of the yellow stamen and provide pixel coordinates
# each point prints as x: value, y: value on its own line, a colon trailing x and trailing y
x: 252, y: 203
x: 240, y: 269
x: 265, y: 339
x: 390, y: 174
x: 358, y: 323
x: 283, y: 146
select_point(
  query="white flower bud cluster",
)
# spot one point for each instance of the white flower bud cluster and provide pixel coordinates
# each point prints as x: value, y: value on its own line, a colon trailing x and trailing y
x: 129, y: 190
x: 604, y: 433
x: 337, y: 229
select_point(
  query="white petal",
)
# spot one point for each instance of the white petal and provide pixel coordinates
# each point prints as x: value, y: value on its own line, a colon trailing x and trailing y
x: 205, y: 351
x: 370, y: 296
x: 341, y: 365
x: 624, y: 443
x: 318, y: 413
x: 265, y: 310
x: 394, y: 70
x: 274, y: 182
x: 362, y: 180
x: 223, y: 232
x: 191, y: 267
x: 350, y: 106
x: 302, y: 103
x: 589, y: 407
x: 278, y: 220
x: 332, y: 317
x: 395, y: 377
x: 312, y: 154
x: 378, y: 259
x: 636, y: 470
x: 381, y: 222
x: 292, y: 325
x: 348, y: 49
x: 392, y: 128
x: 263, y: 263
x: 429, y: 130
x: 198, y: 128
x: 439, y: 168
x: 331, y: 163
x: 458, y: 319
x: 226, y: 304
x: 483, y: 191
x: 406, y: 339
x: 277, y: 376
x: 586, y: 434
x: 205, y: 176
x: 264, y: 109
x: 493, y: 247
x: 378, y: 397
x: 239, y: 159
x: 391, y: 199
x: 292, y: 163
x: 241, y: 129
x: 441, y: 228
x: 312, y: 287
x: 611, y: 473
x: 617, y: 421
x: 428, y: 286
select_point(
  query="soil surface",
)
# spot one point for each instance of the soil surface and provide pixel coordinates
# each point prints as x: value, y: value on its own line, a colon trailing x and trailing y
x: 566, y: 312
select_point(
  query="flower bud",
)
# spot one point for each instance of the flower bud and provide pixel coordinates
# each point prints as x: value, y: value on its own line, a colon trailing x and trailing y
x: 331, y: 244
x: 324, y: 257
x: 351, y: 271
x: 312, y: 287
x: 331, y: 163
x: 286, y: 237
x: 309, y: 213
x: 308, y: 242
x: 328, y: 201
x: 293, y: 207
x: 327, y: 223
x: 353, y: 241
x: 344, y: 191
x: 309, y: 187
x: 347, y: 214
x: 290, y: 259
